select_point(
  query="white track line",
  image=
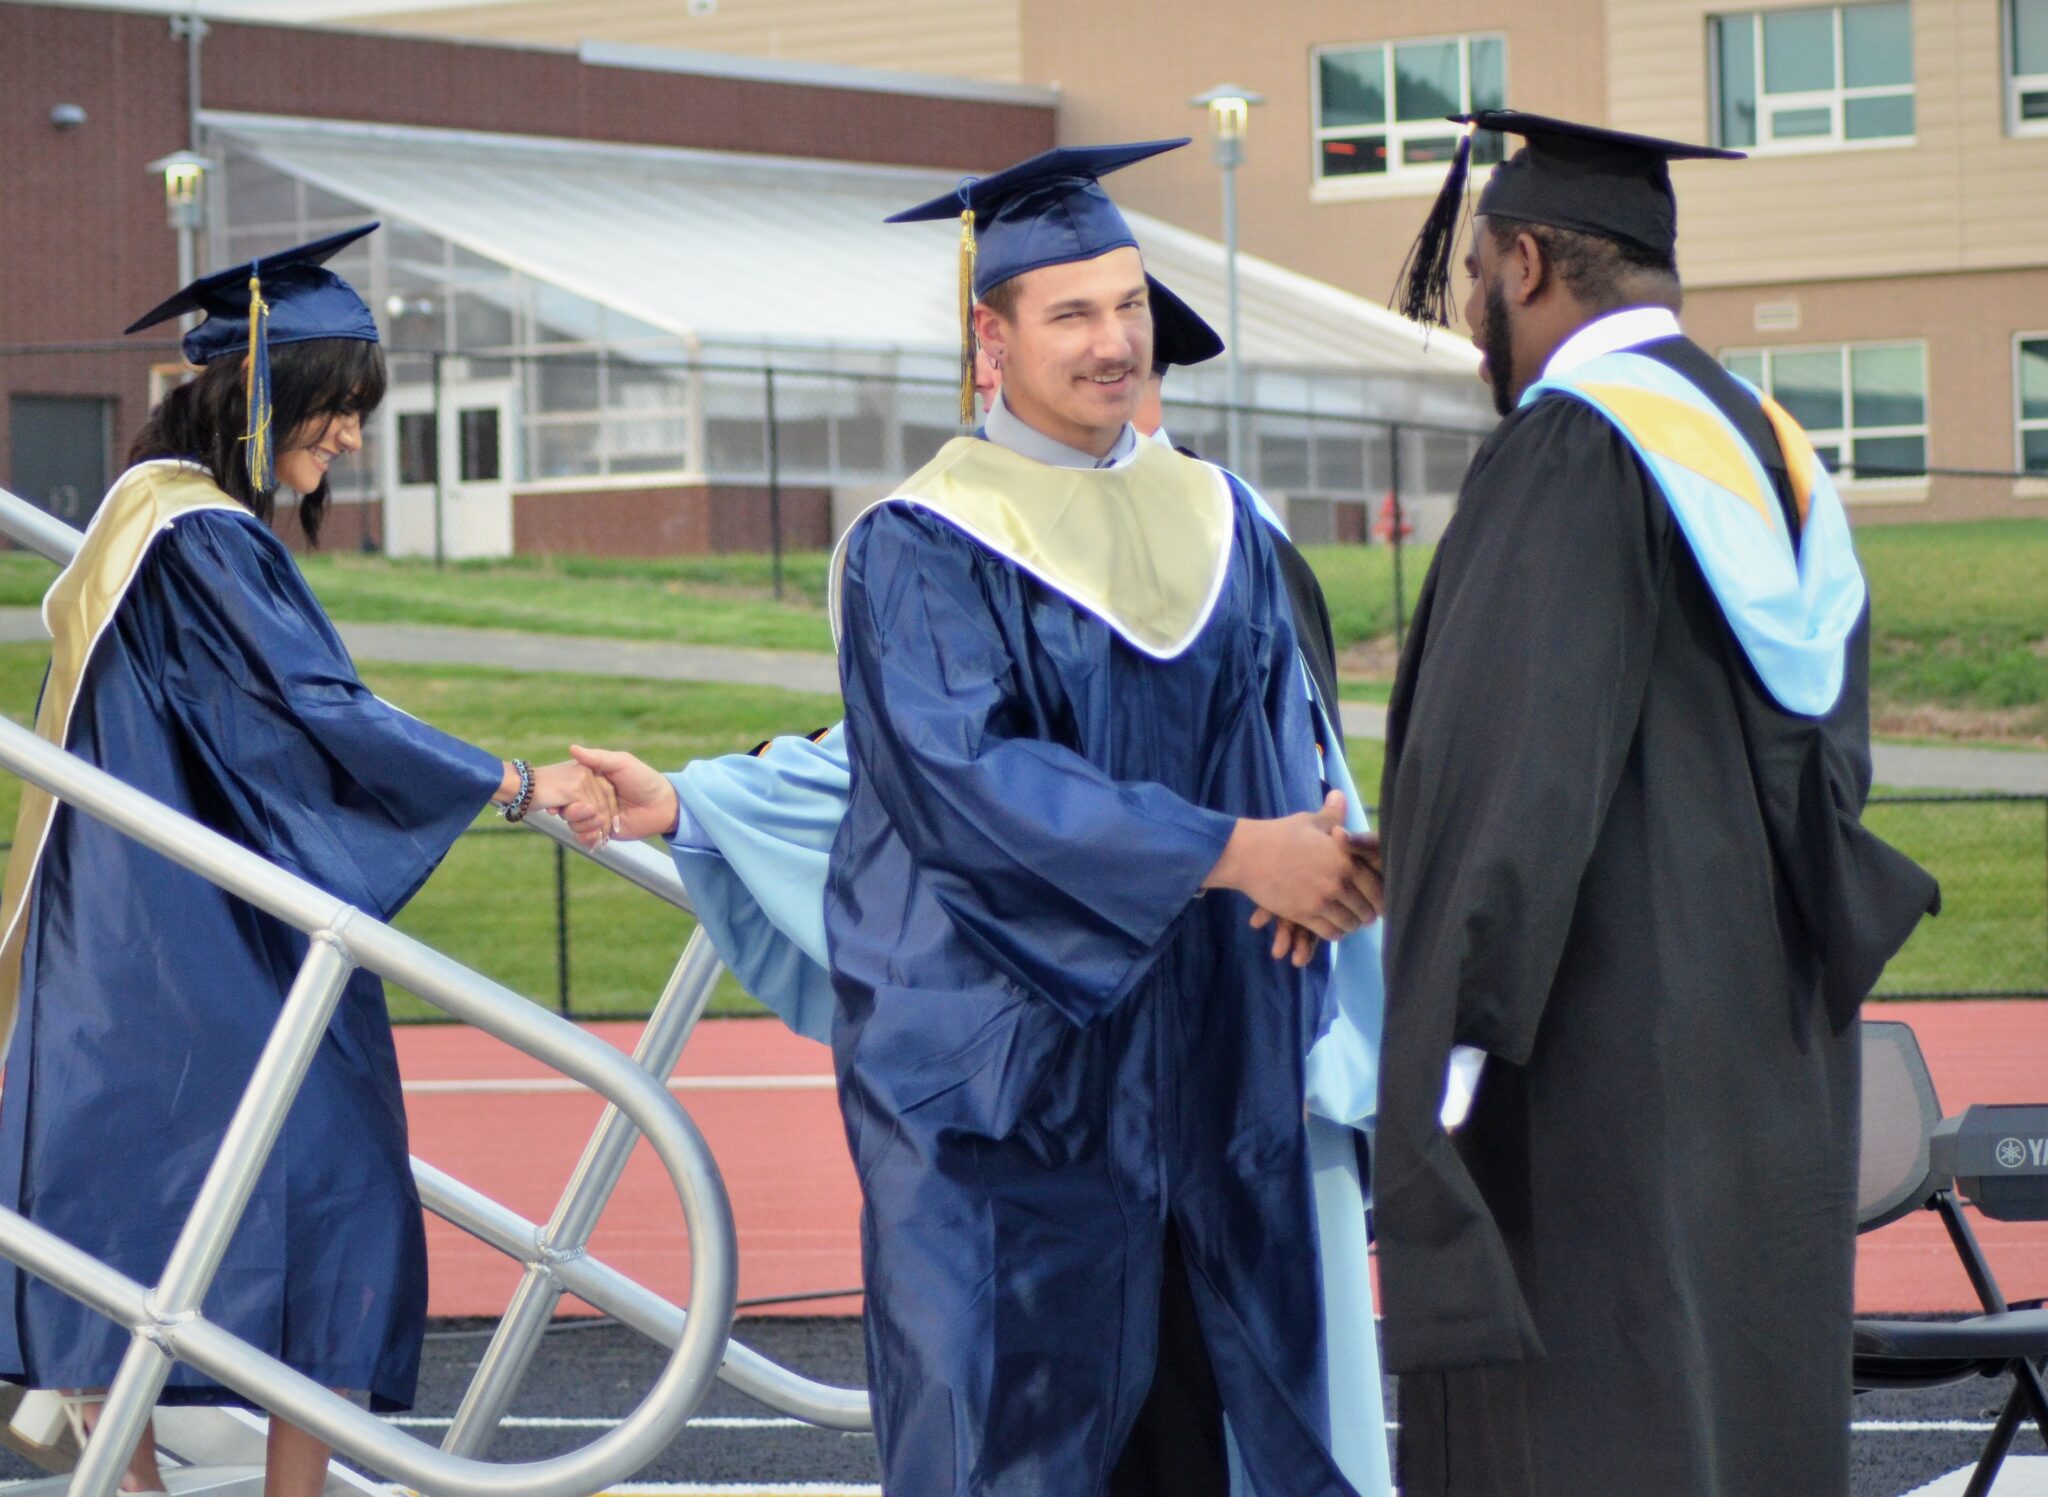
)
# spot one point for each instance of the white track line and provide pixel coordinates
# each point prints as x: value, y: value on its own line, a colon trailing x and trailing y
x: 738, y: 1422
x: 740, y: 1489
x: 577, y: 1421
x: 512, y: 1085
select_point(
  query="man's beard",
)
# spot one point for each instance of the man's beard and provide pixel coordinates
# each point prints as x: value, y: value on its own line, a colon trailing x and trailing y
x: 1498, y: 346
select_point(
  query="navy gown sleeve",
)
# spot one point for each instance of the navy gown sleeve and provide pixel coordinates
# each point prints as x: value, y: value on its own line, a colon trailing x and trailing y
x: 322, y: 776
x: 1066, y: 880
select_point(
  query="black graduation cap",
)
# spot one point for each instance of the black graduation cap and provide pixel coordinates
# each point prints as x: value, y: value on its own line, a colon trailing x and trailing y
x: 1048, y: 210
x: 1583, y: 177
x: 287, y: 297
x: 1179, y: 335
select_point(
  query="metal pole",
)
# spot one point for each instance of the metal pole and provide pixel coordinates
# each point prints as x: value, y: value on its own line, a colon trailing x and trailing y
x: 774, y: 484
x: 440, y: 464
x: 1394, y: 528
x: 216, y: 1213
x: 1228, y: 152
x: 191, y: 28
x: 562, y: 929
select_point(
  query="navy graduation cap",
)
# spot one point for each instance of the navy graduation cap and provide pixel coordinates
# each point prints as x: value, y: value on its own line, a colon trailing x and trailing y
x: 1179, y: 335
x: 1048, y: 210
x: 1572, y: 176
x: 287, y: 297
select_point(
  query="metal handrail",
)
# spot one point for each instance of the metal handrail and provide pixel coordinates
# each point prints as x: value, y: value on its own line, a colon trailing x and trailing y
x: 554, y: 1255
x: 174, y: 1328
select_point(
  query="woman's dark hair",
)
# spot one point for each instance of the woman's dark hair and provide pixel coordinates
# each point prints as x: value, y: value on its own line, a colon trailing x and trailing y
x: 205, y: 419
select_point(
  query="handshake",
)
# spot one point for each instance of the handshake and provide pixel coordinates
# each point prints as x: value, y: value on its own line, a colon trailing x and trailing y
x: 1309, y: 878
x: 603, y: 794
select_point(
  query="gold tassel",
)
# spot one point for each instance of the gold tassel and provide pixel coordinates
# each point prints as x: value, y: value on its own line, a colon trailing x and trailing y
x: 257, y: 390
x: 967, y: 317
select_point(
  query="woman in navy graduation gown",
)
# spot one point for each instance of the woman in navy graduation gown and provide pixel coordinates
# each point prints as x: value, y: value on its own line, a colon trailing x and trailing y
x: 218, y: 686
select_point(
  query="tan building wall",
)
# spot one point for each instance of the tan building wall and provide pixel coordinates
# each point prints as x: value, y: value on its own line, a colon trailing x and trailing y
x: 1967, y: 322
x: 953, y: 38
x: 1126, y: 71
x: 1964, y: 195
x: 1943, y: 240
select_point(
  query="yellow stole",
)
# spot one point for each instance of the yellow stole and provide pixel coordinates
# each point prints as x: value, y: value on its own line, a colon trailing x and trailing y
x: 144, y: 502
x: 1145, y: 547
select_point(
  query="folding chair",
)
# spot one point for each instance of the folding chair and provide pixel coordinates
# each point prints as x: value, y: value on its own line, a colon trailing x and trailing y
x: 1898, y: 1176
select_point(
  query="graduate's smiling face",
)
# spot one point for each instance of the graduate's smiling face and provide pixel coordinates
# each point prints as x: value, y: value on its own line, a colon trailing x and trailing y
x: 303, y: 462
x: 1074, y: 344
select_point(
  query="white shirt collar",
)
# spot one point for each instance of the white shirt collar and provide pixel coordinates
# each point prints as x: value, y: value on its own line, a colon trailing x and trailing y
x: 1006, y: 428
x: 1611, y: 334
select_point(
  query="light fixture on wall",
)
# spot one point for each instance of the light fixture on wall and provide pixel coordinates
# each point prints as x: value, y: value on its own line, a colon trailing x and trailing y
x: 184, y: 174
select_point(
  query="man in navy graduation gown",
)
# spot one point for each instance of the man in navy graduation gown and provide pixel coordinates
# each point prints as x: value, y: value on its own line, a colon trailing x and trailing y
x: 1081, y: 762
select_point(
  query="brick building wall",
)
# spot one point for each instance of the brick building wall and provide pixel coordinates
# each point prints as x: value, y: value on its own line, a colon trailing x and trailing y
x: 672, y: 520
x: 84, y: 240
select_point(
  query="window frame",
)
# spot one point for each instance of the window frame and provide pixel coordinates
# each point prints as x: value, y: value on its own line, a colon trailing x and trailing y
x: 1396, y: 181
x: 2016, y: 82
x: 2021, y: 425
x: 1844, y: 438
x: 1835, y: 99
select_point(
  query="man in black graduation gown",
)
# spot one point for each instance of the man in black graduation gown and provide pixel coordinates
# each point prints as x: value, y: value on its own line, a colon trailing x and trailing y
x: 1627, y: 873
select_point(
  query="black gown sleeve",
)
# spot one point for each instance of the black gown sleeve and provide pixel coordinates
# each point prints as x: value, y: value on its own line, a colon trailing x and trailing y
x: 1513, y: 732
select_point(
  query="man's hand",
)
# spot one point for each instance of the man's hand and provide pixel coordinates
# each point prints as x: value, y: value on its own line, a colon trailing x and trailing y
x: 1304, y: 870
x: 580, y: 797
x: 647, y: 805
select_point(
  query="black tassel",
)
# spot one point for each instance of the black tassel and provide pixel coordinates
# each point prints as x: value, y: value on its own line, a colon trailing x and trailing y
x: 1422, y: 292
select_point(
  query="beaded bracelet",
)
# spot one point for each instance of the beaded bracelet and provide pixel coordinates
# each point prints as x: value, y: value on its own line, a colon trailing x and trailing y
x: 523, y: 801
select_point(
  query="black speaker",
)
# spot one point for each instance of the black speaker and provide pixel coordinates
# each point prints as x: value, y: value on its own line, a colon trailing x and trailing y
x: 1998, y: 1157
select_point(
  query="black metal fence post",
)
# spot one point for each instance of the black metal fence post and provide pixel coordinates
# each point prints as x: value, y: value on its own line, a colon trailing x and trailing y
x: 1394, y: 527
x: 562, y: 930
x: 774, y: 484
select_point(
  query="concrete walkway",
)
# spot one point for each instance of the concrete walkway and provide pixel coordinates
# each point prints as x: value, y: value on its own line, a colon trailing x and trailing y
x: 1898, y: 766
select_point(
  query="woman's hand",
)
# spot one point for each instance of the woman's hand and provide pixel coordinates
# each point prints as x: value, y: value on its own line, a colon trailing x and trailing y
x: 580, y: 797
x: 646, y: 800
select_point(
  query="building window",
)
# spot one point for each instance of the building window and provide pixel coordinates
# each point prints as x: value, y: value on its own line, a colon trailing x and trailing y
x: 2031, y: 377
x: 1380, y: 109
x: 1863, y: 404
x: 2026, y: 30
x: 1831, y: 76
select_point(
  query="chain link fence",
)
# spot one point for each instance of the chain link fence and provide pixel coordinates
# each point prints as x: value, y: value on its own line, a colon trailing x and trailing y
x: 653, y: 452
x: 579, y: 941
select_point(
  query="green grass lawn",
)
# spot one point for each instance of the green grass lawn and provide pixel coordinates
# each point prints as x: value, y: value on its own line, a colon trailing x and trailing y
x: 1961, y: 610
x: 492, y: 904
x: 709, y: 600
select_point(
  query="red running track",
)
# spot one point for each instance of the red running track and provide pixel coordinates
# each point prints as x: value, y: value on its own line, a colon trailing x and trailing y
x: 763, y: 1098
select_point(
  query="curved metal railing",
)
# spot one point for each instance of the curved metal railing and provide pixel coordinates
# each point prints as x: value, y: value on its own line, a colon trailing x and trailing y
x: 564, y: 1267
x: 554, y: 1254
x: 165, y: 1318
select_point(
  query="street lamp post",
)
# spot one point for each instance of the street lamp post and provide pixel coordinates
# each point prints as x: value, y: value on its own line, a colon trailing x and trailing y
x: 1230, y: 110
x: 184, y: 174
